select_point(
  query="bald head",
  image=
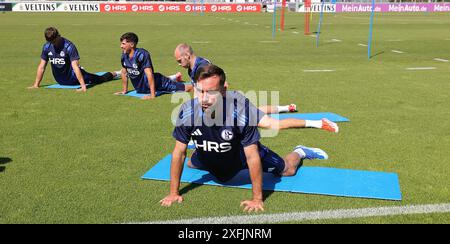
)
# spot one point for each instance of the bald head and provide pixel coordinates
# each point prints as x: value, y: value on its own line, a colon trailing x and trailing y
x: 184, y: 48
x: 184, y: 54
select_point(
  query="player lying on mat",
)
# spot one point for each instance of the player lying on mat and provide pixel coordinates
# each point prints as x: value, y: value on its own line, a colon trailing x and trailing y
x: 229, y: 143
x: 186, y: 58
x: 64, y: 59
x: 137, y: 65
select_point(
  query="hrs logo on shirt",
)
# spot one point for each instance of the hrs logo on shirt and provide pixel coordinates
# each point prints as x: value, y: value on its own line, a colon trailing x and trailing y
x: 57, y: 61
x: 133, y: 71
x: 211, y: 146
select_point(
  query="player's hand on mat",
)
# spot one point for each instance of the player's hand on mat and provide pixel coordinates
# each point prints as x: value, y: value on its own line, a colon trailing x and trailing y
x: 82, y: 89
x: 252, y: 205
x: 120, y: 93
x: 148, y: 97
x: 167, y: 201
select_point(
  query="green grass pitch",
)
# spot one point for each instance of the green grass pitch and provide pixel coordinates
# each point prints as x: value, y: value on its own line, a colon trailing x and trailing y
x: 78, y: 158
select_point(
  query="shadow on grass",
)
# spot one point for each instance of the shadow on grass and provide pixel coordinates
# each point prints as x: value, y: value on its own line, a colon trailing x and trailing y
x: 4, y: 161
x: 192, y: 186
x: 376, y: 54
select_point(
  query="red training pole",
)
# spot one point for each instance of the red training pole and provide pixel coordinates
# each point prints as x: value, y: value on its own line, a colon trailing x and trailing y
x: 307, y: 16
x: 283, y: 7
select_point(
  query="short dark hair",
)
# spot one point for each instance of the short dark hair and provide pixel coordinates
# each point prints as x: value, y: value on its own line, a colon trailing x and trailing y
x: 51, y: 34
x: 210, y: 70
x: 130, y: 37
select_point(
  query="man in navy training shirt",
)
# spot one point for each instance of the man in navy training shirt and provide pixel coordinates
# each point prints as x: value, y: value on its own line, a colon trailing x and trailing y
x: 186, y: 58
x: 64, y: 59
x: 137, y: 65
x: 223, y: 125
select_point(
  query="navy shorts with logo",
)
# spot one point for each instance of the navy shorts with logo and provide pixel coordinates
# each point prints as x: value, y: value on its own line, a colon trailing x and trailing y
x: 167, y: 85
x: 271, y: 162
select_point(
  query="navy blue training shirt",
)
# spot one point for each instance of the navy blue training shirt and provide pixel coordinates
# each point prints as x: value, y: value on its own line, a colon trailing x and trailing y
x: 199, y: 61
x: 60, y: 59
x: 220, y: 146
x: 135, y: 67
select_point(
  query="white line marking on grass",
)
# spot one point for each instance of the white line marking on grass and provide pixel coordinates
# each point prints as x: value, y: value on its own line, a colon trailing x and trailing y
x: 317, y: 215
x: 336, y: 40
x: 318, y: 70
x: 31, y: 24
x: 362, y: 45
x: 295, y: 32
x: 421, y: 68
x: 440, y: 60
x: 267, y: 27
x: 200, y: 42
x: 397, y: 51
x: 268, y: 41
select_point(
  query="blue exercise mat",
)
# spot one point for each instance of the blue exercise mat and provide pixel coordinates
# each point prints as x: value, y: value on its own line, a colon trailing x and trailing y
x: 58, y: 86
x: 309, y: 180
x: 311, y: 116
x: 141, y: 95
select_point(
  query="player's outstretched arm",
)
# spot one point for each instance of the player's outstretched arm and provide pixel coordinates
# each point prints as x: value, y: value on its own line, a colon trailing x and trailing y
x: 176, y: 169
x: 39, y: 74
x: 151, y: 83
x: 255, y: 168
x: 124, y: 82
x: 80, y: 78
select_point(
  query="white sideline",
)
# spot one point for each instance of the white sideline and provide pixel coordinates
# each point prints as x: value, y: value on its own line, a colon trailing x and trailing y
x: 396, y: 51
x: 441, y: 60
x: 318, y: 70
x: 421, y: 68
x: 362, y: 45
x: 268, y: 41
x: 317, y: 215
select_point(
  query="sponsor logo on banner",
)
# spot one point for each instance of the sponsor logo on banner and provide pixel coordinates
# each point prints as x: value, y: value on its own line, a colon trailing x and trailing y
x: 249, y: 8
x: 176, y: 7
x: 79, y: 7
x: 35, y: 7
x: 399, y: 7
x: 115, y: 7
x: 317, y: 8
x: 5, y: 7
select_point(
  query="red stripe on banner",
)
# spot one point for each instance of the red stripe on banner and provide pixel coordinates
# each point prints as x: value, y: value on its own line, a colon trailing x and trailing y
x: 179, y: 8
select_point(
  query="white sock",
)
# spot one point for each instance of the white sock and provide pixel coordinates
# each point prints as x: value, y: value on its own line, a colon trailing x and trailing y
x: 314, y: 124
x: 173, y: 77
x: 300, y: 152
x: 118, y: 74
x: 283, y: 109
